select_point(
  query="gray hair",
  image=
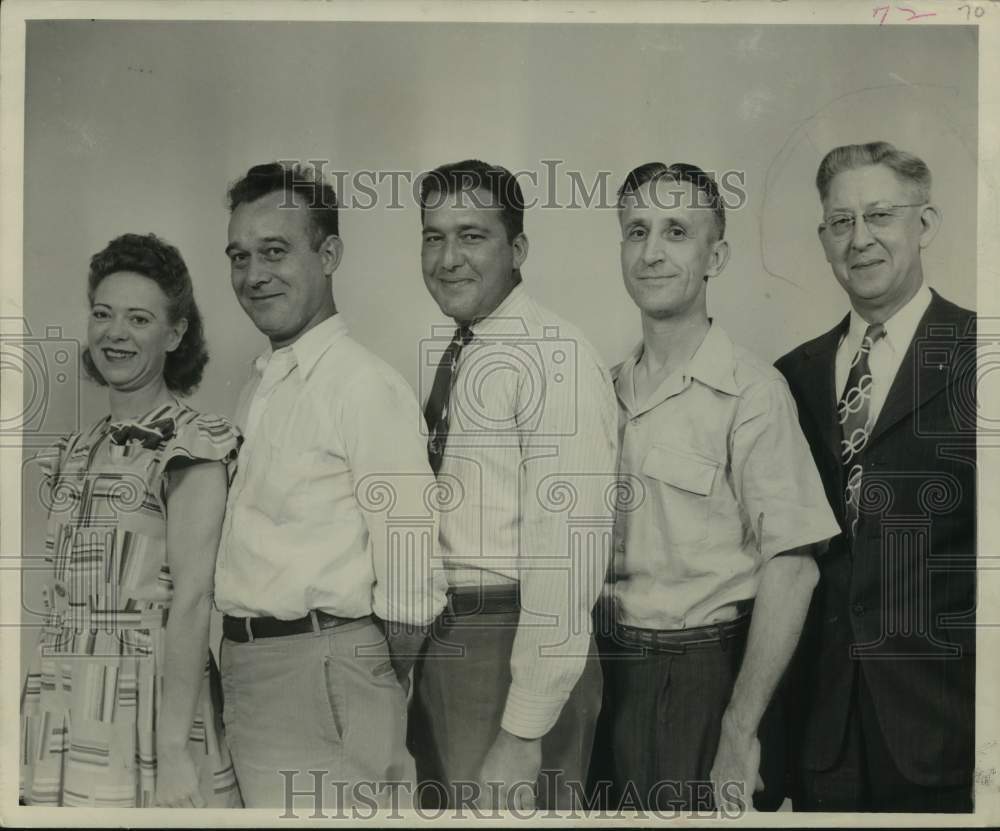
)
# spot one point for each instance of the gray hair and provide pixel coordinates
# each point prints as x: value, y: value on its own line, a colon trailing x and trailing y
x: 909, y: 168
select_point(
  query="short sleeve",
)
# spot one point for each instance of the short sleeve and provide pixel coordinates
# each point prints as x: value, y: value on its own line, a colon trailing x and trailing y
x: 49, y: 460
x: 774, y: 473
x: 203, y: 438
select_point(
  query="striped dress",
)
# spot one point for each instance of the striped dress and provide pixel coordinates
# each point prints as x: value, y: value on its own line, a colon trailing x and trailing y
x: 94, y: 686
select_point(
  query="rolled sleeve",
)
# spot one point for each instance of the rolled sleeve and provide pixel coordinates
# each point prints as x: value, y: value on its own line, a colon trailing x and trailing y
x: 775, y: 475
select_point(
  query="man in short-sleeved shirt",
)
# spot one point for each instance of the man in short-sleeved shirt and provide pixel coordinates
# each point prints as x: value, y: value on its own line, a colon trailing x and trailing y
x: 721, y: 505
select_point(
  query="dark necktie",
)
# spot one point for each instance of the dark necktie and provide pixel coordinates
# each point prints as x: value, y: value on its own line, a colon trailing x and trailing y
x: 854, y: 414
x: 436, y: 411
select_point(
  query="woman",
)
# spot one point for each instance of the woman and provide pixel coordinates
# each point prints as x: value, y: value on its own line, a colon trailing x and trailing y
x: 117, y: 709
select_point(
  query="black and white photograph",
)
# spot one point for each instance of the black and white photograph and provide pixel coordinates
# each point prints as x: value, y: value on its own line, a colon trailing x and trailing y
x: 502, y: 412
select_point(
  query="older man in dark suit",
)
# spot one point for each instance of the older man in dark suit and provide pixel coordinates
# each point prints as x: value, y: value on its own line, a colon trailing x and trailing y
x: 886, y: 672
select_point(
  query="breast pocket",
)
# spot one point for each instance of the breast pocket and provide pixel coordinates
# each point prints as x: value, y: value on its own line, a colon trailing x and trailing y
x: 683, y: 485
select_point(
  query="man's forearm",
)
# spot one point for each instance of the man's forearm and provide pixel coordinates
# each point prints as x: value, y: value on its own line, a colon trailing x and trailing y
x: 786, y: 586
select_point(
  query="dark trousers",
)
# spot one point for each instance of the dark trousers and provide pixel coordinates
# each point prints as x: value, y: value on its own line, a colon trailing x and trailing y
x: 865, y: 776
x: 460, y: 689
x: 661, y: 721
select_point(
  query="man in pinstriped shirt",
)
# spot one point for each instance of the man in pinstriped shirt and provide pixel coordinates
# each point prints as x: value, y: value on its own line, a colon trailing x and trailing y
x: 523, y: 433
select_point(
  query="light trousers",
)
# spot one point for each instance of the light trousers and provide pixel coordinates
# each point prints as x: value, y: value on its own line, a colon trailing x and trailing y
x: 325, y: 701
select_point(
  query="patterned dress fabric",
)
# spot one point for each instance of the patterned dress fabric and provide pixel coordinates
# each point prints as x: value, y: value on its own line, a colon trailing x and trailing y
x: 854, y: 415
x: 95, y: 683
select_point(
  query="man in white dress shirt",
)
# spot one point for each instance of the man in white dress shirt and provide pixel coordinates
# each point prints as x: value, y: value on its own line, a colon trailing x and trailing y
x: 522, y: 423
x: 308, y: 576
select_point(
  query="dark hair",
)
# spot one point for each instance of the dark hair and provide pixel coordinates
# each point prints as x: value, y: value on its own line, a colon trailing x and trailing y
x: 304, y: 180
x: 703, y: 182
x: 909, y: 168
x: 158, y: 260
x: 471, y: 175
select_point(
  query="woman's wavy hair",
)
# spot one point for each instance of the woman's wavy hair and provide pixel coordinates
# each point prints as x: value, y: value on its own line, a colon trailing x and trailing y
x: 152, y: 257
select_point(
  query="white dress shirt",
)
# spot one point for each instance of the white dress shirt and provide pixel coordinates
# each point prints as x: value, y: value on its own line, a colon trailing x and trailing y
x: 531, y: 455
x: 331, y: 506
x: 887, y: 353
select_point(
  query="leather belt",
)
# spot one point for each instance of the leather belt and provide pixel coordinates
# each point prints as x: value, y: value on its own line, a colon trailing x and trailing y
x: 488, y: 600
x: 244, y: 629
x: 716, y: 635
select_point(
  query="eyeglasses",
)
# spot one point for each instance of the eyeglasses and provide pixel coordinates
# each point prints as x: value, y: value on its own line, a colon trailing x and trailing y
x: 880, y: 216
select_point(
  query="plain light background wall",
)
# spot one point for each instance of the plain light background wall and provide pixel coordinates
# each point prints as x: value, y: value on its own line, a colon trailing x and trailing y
x: 140, y: 126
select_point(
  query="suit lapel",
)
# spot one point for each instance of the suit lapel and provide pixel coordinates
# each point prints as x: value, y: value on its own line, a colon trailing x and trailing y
x: 918, y: 379
x: 819, y: 385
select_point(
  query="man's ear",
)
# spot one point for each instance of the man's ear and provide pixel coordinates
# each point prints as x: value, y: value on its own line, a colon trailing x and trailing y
x: 520, y: 246
x: 330, y: 252
x: 930, y: 221
x: 177, y: 334
x: 719, y: 258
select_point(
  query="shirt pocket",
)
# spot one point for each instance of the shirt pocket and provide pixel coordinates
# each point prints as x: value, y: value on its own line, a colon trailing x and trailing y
x: 684, y: 484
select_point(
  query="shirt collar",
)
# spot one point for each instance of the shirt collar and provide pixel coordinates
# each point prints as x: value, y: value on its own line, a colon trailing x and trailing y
x: 507, y: 318
x: 309, y: 348
x: 713, y: 364
x: 899, y: 329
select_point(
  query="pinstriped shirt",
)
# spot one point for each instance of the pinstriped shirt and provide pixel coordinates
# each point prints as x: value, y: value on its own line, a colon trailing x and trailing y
x: 530, y: 461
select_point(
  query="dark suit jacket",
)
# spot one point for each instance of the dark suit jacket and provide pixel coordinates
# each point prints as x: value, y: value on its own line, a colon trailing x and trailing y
x: 899, y: 605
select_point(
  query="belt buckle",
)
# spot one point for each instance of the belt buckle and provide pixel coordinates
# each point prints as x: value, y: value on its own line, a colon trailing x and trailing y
x: 249, y: 628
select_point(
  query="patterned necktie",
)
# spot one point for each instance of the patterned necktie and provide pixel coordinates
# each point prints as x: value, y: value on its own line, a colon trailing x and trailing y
x: 854, y: 415
x: 436, y: 409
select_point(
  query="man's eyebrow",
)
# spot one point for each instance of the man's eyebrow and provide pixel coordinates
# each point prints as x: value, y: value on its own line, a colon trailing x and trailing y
x: 235, y: 246
x: 465, y: 226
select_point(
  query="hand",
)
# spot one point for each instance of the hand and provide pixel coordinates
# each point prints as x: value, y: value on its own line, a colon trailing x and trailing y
x: 404, y: 682
x: 736, y: 766
x: 404, y: 643
x: 177, y: 781
x: 510, y: 763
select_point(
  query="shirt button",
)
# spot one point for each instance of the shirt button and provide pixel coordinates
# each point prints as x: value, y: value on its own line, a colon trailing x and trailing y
x: 859, y: 608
